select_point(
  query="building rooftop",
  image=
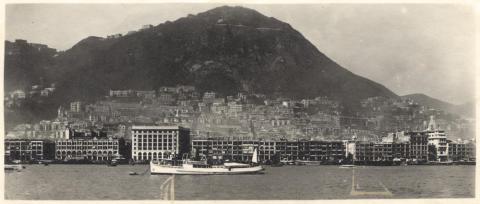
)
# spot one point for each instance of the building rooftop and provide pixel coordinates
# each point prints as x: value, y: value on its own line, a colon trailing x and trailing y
x: 152, y: 127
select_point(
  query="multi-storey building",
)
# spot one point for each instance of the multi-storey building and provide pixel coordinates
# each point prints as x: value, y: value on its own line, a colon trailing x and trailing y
x: 89, y: 149
x: 159, y: 142
x: 235, y: 149
x: 324, y: 151
x: 242, y: 149
x: 24, y: 150
x: 418, y: 145
x: 437, y: 138
x: 381, y: 152
x: 461, y: 151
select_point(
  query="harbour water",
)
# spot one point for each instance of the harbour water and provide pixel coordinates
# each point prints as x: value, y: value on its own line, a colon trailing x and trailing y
x: 99, y: 182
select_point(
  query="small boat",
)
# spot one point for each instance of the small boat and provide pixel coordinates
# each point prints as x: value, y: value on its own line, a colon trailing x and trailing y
x: 305, y: 162
x: 14, y: 167
x: 188, y: 167
x: 347, y: 166
x: 132, y: 173
x: 287, y: 162
x: 45, y: 162
x: 114, y: 162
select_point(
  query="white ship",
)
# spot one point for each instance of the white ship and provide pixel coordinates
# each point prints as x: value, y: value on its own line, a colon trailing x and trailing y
x: 201, y: 168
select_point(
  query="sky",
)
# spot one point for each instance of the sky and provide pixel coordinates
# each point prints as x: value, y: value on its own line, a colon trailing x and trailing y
x: 409, y: 48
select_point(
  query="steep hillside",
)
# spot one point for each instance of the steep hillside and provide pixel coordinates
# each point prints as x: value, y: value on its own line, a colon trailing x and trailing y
x: 226, y: 49
x: 467, y: 109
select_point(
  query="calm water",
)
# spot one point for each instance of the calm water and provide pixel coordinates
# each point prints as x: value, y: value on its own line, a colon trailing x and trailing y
x: 289, y: 182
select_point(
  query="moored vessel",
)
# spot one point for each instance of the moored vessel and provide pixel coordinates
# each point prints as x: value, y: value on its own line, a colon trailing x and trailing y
x: 13, y: 167
x: 347, y: 166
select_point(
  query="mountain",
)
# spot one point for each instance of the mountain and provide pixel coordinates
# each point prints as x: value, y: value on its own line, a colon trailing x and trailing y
x: 467, y: 109
x: 226, y: 49
x: 26, y: 64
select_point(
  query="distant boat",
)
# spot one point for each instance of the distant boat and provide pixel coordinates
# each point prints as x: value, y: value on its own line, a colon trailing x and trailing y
x: 45, y: 162
x: 113, y: 162
x: 287, y: 162
x: 305, y: 162
x: 348, y: 166
x: 133, y: 173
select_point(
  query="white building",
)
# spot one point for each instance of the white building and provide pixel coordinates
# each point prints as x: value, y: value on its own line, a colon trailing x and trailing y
x: 438, y: 138
x: 350, y: 147
x: 159, y: 142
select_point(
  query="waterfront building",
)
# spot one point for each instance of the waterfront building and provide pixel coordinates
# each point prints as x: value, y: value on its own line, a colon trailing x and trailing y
x: 322, y: 150
x: 239, y: 149
x: 24, y: 150
x: 159, y: 142
x: 458, y: 151
x: 418, y: 145
x: 235, y: 149
x: 438, y: 138
x: 88, y: 149
x: 350, y: 146
x: 381, y: 152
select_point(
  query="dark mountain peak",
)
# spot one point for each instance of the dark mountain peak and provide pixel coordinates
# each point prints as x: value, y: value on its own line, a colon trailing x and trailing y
x: 237, y: 15
x: 90, y: 39
x: 87, y: 42
x: 232, y: 11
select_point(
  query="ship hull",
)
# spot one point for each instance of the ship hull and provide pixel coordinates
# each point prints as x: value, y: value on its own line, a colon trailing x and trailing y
x: 157, y: 169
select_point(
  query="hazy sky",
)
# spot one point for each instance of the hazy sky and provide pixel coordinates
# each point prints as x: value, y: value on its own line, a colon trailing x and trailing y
x: 409, y: 48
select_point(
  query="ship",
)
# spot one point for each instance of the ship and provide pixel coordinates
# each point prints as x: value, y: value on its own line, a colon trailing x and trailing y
x: 14, y: 167
x: 188, y: 167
